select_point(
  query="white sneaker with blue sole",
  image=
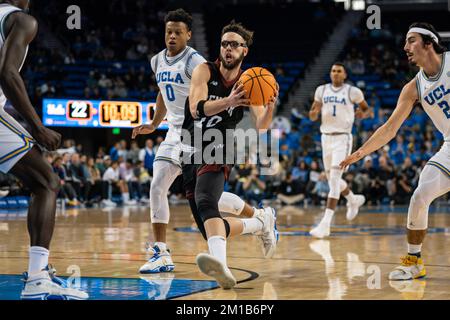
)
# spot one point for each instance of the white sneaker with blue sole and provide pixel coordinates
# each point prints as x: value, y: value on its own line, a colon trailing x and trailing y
x: 269, y: 235
x: 46, y: 286
x: 160, y: 261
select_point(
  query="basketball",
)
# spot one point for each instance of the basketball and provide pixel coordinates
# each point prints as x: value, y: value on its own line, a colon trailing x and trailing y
x: 259, y: 84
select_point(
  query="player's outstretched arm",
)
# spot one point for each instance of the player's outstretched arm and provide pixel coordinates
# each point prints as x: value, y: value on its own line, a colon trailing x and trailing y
x: 387, y: 132
x: 21, y: 29
x: 160, y: 113
x: 198, y: 94
x: 315, y: 110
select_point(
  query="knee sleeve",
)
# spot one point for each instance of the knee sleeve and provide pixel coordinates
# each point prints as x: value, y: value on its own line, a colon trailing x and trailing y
x: 334, y: 183
x: 165, y: 174
x: 418, y: 210
x: 206, y: 206
x: 432, y: 184
x: 231, y: 203
x: 227, y: 227
x: 342, y: 185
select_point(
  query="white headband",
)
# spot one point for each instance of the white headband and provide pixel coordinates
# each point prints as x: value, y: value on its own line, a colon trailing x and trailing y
x: 424, y: 32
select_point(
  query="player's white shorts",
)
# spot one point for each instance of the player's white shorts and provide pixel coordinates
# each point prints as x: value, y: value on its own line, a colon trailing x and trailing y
x: 15, y: 141
x: 170, y: 148
x: 441, y: 160
x: 335, y: 148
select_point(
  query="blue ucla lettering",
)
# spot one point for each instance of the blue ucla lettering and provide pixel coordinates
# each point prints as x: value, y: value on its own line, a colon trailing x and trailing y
x: 334, y: 99
x: 436, y: 95
x: 166, y: 76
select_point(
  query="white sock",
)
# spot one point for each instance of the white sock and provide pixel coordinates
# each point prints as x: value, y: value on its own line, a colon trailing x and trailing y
x: 350, y: 197
x: 414, y: 248
x: 328, y: 216
x: 161, y: 245
x: 126, y: 196
x: 252, y: 225
x: 218, y: 248
x: 38, y: 259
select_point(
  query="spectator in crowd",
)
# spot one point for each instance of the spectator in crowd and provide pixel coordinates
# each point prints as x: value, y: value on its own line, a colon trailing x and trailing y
x: 291, y: 191
x: 254, y: 187
x: 147, y: 156
x: 113, y: 184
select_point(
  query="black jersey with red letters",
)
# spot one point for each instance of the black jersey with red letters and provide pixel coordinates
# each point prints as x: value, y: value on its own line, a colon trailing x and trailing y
x: 204, y: 131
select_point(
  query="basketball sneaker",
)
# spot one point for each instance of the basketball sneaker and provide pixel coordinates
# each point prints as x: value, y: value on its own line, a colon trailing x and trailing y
x: 353, y: 206
x: 411, y: 267
x: 130, y: 203
x: 159, y: 261
x: 321, y: 231
x: 269, y: 235
x: 211, y: 266
x: 108, y: 203
x: 45, y: 285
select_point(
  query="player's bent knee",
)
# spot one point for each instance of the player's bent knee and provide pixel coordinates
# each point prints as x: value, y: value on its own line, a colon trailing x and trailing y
x: 207, y: 207
x: 418, y: 211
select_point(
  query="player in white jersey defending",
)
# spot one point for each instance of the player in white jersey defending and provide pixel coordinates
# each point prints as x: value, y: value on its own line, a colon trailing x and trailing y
x: 431, y: 88
x: 20, y: 154
x: 173, y: 68
x: 336, y: 102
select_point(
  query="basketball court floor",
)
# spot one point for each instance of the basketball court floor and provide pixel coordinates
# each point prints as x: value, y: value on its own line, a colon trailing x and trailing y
x: 107, y: 247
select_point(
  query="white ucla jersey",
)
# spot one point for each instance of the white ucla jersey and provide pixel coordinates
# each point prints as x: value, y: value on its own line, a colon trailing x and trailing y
x: 434, y: 95
x: 5, y: 10
x: 173, y: 76
x: 338, y: 113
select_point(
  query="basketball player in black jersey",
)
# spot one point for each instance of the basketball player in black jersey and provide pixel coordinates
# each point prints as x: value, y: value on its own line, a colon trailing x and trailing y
x: 216, y: 102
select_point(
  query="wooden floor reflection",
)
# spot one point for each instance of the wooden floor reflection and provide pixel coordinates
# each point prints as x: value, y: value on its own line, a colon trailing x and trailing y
x: 352, y: 264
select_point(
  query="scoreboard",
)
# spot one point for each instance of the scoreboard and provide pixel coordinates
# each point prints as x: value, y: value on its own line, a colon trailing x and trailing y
x: 98, y: 113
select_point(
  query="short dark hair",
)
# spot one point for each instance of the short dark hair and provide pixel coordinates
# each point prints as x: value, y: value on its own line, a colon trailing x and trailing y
x: 179, y: 15
x: 238, y: 28
x: 428, y: 39
x: 340, y: 64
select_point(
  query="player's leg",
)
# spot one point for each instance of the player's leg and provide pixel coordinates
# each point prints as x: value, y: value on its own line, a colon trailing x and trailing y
x: 231, y: 203
x: 433, y: 183
x: 37, y: 175
x: 208, y: 190
x: 323, y: 228
x: 354, y: 201
x: 164, y: 174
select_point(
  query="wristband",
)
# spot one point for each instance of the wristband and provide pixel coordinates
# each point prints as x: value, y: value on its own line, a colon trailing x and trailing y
x: 201, y: 109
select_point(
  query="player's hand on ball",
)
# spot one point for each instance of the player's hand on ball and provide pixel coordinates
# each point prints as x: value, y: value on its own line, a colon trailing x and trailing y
x: 354, y: 157
x: 143, y: 129
x: 273, y: 99
x: 47, y: 138
x: 237, y: 96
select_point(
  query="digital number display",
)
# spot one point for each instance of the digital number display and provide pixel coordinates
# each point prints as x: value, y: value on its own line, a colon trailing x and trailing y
x: 98, y: 114
x: 79, y: 110
x: 114, y: 112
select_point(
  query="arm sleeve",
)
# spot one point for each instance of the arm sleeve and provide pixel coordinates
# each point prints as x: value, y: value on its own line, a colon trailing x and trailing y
x: 319, y: 93
x: 194, y: 60
x: 356, y: 95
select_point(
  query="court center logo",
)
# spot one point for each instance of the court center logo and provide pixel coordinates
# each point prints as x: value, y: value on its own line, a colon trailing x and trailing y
x: 231, y: 146
x: 74, y: 20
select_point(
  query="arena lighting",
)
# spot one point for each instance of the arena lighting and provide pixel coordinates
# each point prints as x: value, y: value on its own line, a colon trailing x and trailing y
x: 97, y: 113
